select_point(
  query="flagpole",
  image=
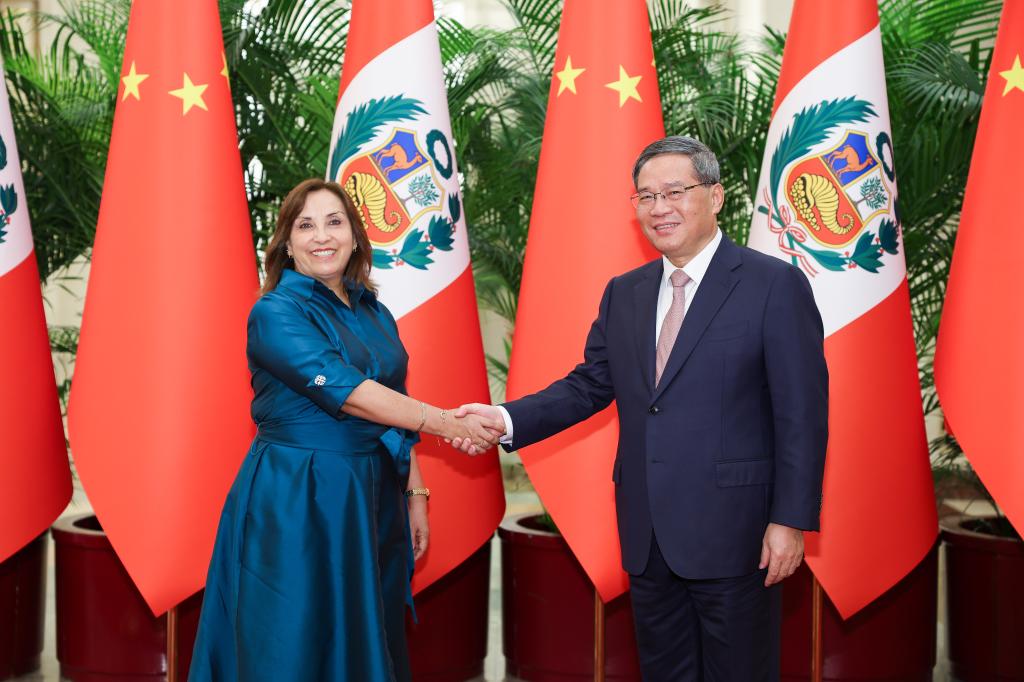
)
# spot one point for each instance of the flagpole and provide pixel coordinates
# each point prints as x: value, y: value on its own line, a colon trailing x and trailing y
x: 816, y: 643
x: 598, y: 637
x: 172, y: 644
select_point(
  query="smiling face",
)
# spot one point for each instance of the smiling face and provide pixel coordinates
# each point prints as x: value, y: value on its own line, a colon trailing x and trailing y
x: 678, y: 230
x: 321, y: 239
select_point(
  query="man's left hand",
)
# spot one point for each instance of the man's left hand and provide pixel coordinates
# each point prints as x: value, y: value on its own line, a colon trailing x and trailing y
x: 781, y: 551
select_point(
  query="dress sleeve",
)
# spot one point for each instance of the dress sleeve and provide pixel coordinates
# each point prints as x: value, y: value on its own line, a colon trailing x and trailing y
x: 285, y: 343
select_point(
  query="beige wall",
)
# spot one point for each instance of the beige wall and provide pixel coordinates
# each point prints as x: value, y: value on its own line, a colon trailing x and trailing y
x: 44, y: 33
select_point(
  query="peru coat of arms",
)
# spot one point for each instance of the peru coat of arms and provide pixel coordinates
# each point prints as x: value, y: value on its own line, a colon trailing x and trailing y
x: 398, y: 186
x: 833, y: 207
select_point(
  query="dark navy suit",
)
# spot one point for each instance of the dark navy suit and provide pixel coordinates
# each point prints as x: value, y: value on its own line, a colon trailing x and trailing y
x: 732, y: 438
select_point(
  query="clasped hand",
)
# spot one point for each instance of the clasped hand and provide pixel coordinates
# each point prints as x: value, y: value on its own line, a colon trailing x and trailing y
x: 474, y: 432
x: 490, y: 417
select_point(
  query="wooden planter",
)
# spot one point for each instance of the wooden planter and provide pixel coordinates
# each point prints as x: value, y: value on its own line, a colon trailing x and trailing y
x: 548, y: 611
x: 105, y: 629
x: 892, y: 639
x: 985, y: 598
x: 22, y: 608
x: 449, y: 643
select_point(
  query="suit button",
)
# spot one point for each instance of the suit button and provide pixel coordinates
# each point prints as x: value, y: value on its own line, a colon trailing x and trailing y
x: 654, y: 409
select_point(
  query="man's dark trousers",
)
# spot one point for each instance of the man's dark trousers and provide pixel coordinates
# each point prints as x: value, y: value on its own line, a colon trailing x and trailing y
x: 714, y: 630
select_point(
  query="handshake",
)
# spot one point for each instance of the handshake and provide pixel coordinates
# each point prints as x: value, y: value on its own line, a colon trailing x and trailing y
x: 477, y: 428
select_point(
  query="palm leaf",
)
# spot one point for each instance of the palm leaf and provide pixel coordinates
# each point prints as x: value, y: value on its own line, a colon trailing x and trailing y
x: 811, y: 126
x: 365, y: 120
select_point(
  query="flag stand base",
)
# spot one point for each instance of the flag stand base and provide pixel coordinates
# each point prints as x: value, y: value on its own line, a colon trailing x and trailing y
x: 105, y: 628
x: 23, y: 608
x: 545, y: 591
x: 892, y: 638
x: 984, y: 600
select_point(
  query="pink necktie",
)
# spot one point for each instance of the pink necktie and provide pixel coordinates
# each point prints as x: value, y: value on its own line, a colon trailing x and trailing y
x: 673, y: 321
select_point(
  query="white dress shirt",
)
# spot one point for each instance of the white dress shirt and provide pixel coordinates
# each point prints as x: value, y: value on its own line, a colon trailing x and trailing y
x: 695, y: 270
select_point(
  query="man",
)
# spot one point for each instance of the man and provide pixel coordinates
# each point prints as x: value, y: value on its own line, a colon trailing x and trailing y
x: 714, y: 355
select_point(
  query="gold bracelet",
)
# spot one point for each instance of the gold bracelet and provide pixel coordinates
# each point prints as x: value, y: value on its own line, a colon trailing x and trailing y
x: 418, y: 491
x: 443, y: 423
x: 423, y: 418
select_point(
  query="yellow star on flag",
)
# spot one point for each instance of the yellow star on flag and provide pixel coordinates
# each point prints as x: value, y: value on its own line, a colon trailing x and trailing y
x: 224, y: 71
x: 191, y: 95
x: 625, y: 86
x: 131, y: 83
x: 567, y: 77
x: 1014, y: 76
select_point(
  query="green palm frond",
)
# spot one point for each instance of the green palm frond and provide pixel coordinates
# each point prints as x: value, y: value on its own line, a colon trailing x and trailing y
x: 537, y: 23
x: 364, y: 122
x: 958, y: 23
x: 62, y: 106
x: 99, y: 25
x: 811, y: 126
x: 284, y: 63
x: 937, y: 57
x: 938, y: 81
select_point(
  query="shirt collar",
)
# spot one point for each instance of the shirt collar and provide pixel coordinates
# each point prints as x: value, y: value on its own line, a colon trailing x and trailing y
x: 698, y: 265
x: 306, y: 286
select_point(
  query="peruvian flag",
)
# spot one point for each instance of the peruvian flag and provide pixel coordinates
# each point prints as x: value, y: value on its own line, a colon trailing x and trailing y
x: 827, y: 202
x: 392, y: 150
x: 979, y: 369
x: 35, y: 485
x: 603, y: 109
x: 159, y: 414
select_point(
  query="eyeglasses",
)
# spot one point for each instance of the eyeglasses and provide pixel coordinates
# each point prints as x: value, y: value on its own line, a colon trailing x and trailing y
x: 673, y: 196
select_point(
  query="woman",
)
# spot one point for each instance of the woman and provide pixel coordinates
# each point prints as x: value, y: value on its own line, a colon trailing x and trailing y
x: 310, y: 573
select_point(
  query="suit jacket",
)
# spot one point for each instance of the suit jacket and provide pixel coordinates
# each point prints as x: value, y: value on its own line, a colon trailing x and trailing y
x: 734, y: 435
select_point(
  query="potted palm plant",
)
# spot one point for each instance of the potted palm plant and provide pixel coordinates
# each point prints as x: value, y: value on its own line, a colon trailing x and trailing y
x: 940, y: 77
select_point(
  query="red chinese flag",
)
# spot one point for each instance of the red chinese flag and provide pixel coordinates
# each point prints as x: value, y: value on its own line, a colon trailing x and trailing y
x: 830, y: 133
x: 392, y: 131
x: 979, y: 368
x: 159, y: 406
x: 35, y: 485
x: 603, y: 109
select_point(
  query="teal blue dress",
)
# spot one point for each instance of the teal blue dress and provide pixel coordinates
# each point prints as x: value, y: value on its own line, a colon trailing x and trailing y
x: 310, y: 574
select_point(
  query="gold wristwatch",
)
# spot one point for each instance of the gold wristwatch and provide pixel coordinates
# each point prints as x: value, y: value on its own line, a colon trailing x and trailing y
x: 418, y: 491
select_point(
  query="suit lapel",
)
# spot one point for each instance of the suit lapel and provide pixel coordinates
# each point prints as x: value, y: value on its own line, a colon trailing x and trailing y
x: 718, y: 283
x: 645, y: 303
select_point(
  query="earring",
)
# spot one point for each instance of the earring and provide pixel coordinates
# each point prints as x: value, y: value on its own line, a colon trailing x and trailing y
x: 288, y: 252
x: 355, y: 248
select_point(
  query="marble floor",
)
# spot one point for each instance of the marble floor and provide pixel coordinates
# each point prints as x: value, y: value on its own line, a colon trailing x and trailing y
x: 494, y: 665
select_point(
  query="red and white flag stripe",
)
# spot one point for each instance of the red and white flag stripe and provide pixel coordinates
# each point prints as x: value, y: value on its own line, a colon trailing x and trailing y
x: 392, y: 148
x: 36, y: 482
x: 827, y: 202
